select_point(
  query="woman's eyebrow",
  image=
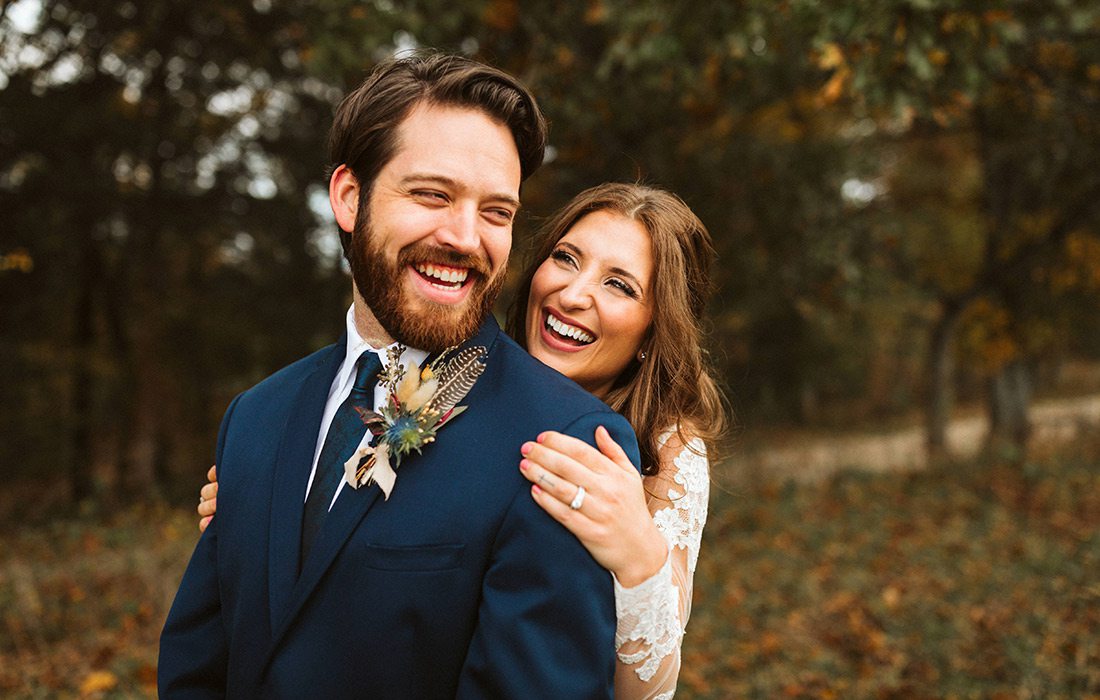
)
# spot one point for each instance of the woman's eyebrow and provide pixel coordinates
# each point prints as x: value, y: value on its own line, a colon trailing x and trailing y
x: 624, y: 273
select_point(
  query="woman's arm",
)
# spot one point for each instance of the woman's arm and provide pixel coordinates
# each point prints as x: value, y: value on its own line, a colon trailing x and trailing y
x: 653, y: 615
x: 650, y: 543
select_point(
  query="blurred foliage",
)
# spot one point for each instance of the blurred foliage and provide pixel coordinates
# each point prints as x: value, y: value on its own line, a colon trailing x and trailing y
x: 895, y: 189
x: 978, y: 582
x: 970, y: 582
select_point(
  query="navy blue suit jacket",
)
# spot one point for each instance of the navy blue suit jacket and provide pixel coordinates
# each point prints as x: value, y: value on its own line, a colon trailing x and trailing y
x: 458, y: 586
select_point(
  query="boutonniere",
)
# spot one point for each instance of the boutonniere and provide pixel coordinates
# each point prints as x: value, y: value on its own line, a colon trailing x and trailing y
x: 420, y: 401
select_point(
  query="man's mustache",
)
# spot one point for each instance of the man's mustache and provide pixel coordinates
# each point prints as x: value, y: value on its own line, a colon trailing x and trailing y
x: 427, y: 253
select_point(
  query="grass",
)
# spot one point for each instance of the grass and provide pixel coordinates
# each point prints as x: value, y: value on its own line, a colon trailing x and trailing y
x: 977, y: 581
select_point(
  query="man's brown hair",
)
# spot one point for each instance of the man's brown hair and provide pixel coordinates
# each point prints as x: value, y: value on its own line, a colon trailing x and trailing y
x: 364, y: 131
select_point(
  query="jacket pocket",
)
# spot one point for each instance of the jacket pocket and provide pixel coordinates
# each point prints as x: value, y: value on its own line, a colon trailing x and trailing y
x: 430, y: 557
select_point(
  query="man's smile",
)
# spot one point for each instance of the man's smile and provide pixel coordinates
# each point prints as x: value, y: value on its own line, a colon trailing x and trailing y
x: 443, y: 276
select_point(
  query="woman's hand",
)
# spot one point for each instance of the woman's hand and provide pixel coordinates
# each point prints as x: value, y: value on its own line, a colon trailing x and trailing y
x: 208, y: 499
x: 612, y: 520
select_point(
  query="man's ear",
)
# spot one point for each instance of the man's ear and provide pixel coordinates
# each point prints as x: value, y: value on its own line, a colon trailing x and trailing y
x: 343, y: 197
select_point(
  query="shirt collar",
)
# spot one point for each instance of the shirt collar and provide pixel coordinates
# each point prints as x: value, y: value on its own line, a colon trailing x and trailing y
x: 356, y: 346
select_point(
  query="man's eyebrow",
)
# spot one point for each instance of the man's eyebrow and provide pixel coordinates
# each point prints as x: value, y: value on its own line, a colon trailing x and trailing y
x: 453, y: 184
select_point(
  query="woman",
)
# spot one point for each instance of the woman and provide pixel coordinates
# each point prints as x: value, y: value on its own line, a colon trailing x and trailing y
x: 615, y: 301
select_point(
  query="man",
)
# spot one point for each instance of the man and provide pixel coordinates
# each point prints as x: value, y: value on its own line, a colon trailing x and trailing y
x: 455, y: 583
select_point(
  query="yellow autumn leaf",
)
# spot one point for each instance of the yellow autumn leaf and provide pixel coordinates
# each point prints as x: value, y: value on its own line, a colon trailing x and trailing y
x: 830, y: 57
x: 834, y: 88
x: 97, y: 682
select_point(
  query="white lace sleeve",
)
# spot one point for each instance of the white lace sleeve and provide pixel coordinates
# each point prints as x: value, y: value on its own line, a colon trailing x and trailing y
x: 652, y: 615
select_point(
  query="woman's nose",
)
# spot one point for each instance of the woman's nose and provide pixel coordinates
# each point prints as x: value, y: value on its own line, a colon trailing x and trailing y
x: 577, y: 294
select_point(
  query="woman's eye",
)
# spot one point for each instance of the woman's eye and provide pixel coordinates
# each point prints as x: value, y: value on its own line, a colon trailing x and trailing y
x: 563, y: 257
x: 623, y: 287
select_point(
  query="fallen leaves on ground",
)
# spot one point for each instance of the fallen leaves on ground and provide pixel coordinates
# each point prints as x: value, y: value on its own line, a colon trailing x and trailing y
x: 976, y: 580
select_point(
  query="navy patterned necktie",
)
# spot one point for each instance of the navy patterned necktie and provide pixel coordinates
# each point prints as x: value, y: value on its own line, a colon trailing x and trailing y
x: 343, y: 438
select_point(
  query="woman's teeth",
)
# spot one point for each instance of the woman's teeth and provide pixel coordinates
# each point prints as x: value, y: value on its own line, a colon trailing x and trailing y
x: 450, y: 277
x: 564, y: 329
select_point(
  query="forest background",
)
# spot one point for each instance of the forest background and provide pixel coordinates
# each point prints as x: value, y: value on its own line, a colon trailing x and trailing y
x: 905, y: 197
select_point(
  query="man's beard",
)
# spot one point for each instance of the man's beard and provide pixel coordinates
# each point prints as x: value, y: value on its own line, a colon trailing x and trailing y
x: 411, y: 320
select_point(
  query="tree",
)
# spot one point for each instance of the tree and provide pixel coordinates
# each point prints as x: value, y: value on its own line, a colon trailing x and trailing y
x: 1020, y: 83
x: 156, y: 162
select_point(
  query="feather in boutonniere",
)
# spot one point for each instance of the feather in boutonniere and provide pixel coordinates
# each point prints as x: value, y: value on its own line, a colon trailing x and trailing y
x: 420, y: 400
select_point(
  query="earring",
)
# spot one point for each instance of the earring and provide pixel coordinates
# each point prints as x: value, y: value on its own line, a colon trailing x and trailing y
x: 641, y: 356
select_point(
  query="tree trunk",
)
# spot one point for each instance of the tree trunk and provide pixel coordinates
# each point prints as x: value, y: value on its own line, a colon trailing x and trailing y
x: 81, y: 459
x: 150, y: 397
x: 940, y: 370
x: 1008, y: 400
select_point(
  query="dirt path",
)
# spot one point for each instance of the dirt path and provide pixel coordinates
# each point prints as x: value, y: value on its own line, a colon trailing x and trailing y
x: 812, y: 459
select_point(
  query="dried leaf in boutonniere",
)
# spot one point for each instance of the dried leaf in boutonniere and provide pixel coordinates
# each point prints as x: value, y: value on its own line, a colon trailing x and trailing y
x: 420, y: 400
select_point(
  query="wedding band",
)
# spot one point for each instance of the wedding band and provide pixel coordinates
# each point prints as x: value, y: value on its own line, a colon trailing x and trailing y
x: 578, y: 500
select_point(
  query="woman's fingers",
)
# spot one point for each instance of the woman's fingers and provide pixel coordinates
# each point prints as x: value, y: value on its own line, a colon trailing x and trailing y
x: 208, y: 498
x: 208, y: 507
x: 548, y: 481
x: 612, y: 450
x: 555, y: 465
x: 576, y: 449
x: 574, y: 520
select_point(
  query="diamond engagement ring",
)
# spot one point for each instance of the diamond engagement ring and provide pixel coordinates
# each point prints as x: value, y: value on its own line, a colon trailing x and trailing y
x: 578, y: 500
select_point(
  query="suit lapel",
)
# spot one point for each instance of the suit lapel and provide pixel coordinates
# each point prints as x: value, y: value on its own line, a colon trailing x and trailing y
x: 350, y: 508
x: 352, y: 505
x: 292, y: 467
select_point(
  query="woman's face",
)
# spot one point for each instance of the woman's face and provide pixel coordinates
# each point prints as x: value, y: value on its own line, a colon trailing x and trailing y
x: 589, y: 307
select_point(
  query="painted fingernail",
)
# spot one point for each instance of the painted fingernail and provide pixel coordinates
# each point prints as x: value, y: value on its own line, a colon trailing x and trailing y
x: 535, y: 489
x: 540, y: 438
x: 525, y: 448
x: 523, y: 464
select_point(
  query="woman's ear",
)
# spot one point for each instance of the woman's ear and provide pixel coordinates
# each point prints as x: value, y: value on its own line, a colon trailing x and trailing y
x: 343, y: 197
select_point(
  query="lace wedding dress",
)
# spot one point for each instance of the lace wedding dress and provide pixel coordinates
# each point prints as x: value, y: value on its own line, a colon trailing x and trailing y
x: 652, y: 615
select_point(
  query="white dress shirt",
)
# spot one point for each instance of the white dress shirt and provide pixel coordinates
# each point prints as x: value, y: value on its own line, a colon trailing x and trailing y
x: 343, y: 383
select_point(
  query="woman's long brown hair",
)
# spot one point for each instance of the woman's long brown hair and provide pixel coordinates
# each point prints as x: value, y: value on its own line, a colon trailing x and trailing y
x: 674, y: 386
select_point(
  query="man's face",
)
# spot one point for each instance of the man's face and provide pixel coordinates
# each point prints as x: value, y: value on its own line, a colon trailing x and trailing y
x: 430, y: 252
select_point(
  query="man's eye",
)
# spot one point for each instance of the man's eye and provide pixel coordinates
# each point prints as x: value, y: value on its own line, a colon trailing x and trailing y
x: 500, y: 215
x: 430, y: 195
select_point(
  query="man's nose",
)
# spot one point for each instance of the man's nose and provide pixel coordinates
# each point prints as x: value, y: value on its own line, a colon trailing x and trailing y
x: 460, y: 231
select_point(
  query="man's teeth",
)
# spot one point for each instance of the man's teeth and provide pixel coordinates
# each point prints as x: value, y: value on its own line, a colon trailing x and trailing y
x: 444, y: 274
x: 562, y: 328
